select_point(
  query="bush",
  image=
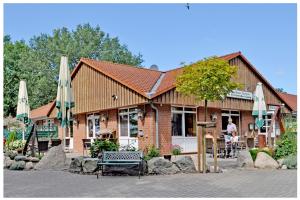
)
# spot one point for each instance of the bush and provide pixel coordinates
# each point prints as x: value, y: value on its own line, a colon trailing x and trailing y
x: 255, y: 151
x: 290, y: 162
x: 176, y: 150
x: 128, y: 148
x: 286, y: 145
x: 103, y: 145
x: 152, y: 152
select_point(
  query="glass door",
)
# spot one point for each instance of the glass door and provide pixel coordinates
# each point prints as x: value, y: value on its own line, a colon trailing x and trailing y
x: 128, y: 128
x: 93, y: 126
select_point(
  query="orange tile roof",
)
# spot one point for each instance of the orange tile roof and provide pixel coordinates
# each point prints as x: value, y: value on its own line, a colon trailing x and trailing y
x: 42, y: 111
x: 169, y: 79
x: 142, y: 80
x: 138, y: 79
x: 290, y: 99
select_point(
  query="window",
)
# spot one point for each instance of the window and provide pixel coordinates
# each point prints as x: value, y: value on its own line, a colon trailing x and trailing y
x: 128, y: 119
x: 93, y: 126
x: 183, y: 121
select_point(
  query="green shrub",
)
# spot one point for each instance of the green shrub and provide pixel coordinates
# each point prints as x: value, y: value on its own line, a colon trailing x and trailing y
x: 152, y: 152
x: 176, y: 150
x: 103, y: 145
x: 290, y: 161
x: 255, y: 151
x: 286, y: 145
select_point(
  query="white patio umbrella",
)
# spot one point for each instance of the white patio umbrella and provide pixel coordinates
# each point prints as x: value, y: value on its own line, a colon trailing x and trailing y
x: 259, y: 107
x: 23, y: 108
x: 64, y: 98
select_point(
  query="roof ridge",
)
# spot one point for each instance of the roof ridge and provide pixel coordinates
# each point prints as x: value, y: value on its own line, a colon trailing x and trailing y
x: 126, y: 65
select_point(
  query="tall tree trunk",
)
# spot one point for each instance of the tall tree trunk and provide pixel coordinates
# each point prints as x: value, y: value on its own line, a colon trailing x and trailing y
x: 203, y: 138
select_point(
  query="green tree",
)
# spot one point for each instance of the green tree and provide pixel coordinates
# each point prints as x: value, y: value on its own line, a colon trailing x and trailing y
x: 210, y: 79
x: 38, y: 62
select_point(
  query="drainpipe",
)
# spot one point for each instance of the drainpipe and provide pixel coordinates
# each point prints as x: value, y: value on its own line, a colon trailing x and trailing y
x: 156, y: 124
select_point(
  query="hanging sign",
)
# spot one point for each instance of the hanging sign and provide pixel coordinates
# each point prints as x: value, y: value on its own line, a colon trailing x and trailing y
x: 240, y: 94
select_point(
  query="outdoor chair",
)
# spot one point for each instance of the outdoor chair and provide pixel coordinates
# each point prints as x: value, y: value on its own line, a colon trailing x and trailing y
x: 209, y: 146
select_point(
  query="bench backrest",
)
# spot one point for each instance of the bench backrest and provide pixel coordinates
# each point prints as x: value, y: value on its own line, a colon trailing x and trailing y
x: 122, y: 156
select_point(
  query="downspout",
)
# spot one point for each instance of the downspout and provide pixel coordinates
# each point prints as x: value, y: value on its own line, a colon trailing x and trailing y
x: 156, y: 125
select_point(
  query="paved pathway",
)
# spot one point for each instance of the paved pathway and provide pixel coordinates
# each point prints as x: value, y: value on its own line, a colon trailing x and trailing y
x: 233, y: 183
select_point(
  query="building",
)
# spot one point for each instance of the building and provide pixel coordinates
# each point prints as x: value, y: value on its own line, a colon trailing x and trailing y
x: 291, y: 100
x: 142, y: 107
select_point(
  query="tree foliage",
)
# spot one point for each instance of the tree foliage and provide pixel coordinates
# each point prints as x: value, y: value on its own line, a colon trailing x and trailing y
x: 210, y: 79
x: 38, y: 62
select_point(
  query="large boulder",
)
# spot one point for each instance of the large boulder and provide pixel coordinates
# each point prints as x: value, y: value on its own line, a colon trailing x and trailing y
x: 33, y: 159
x: 160, y: 165
x: 54, y: 159
x: 17, y: 165
x: 89, y: 165
x: 244, y: 159
x: 76, y: 164
x: 185, y: 164
x: 280, y: 162
x: 7, y: 162
x: 264, y: 161
x: 20, y: 158
x: 11, y: 154
x: 28, y: 166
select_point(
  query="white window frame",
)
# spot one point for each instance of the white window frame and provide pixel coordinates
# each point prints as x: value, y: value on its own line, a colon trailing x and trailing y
x: 128, y: 123
x: 183, y: 118
x: 92, y: 116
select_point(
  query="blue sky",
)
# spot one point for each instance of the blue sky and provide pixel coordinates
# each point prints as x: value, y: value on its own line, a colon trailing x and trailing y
x: 168, y: 34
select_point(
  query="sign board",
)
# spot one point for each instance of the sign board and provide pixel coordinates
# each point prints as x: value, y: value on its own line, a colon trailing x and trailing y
x: 272, y: 108
x: 240, y: 94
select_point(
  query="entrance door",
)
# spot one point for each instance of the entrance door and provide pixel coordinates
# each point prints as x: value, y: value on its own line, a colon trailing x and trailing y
x: 128, y: 128
x: 184, y: 128
x: 93, y: 126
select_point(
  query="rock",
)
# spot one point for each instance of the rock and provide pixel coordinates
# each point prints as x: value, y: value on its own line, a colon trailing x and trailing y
x: 11, y: 154
x: 54, y: 159
x: 264, y: 161
x: 17, y: 165
x: 7, y: 162
x: 244, y: 159
x: 28, y: 166
x: 19, y: 158
x: 89, y: 165
x: 160, y: 165
x: 283, y: 167
x: 33, y: 159
x: 280, y: 162
x: 76, y: 164
x: 185, y: 164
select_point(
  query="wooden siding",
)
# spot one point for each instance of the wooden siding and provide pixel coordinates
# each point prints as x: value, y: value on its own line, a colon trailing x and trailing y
x: 245, y: 77
x: 93, y: 92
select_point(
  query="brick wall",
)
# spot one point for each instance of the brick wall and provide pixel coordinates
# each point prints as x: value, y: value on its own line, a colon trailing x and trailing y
x: 79, y: 133
x: 201, y: 113
x: 246, y: 118
x: 164, y: 128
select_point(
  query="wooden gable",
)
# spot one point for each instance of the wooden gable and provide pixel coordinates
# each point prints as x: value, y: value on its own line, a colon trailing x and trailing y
x: 93, y: 91
x: 246, y: 76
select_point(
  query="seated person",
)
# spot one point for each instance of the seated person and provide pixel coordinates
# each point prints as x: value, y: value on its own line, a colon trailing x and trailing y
x: 228, y: 143
x: 234, y: 141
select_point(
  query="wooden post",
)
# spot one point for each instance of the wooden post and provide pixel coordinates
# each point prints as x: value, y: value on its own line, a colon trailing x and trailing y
x: 215, y: 151
x: 203, y: 150
x: 199, y: 152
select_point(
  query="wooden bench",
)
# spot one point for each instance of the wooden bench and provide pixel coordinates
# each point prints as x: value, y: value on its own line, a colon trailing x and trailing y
x: 119, y: 158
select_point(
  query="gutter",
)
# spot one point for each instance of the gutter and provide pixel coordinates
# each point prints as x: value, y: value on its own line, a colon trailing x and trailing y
x: 156, y: 125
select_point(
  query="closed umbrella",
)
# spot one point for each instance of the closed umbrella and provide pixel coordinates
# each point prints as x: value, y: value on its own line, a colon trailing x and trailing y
x: 259, y: 107
x: 64, y: 98
x: 23, y: 109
